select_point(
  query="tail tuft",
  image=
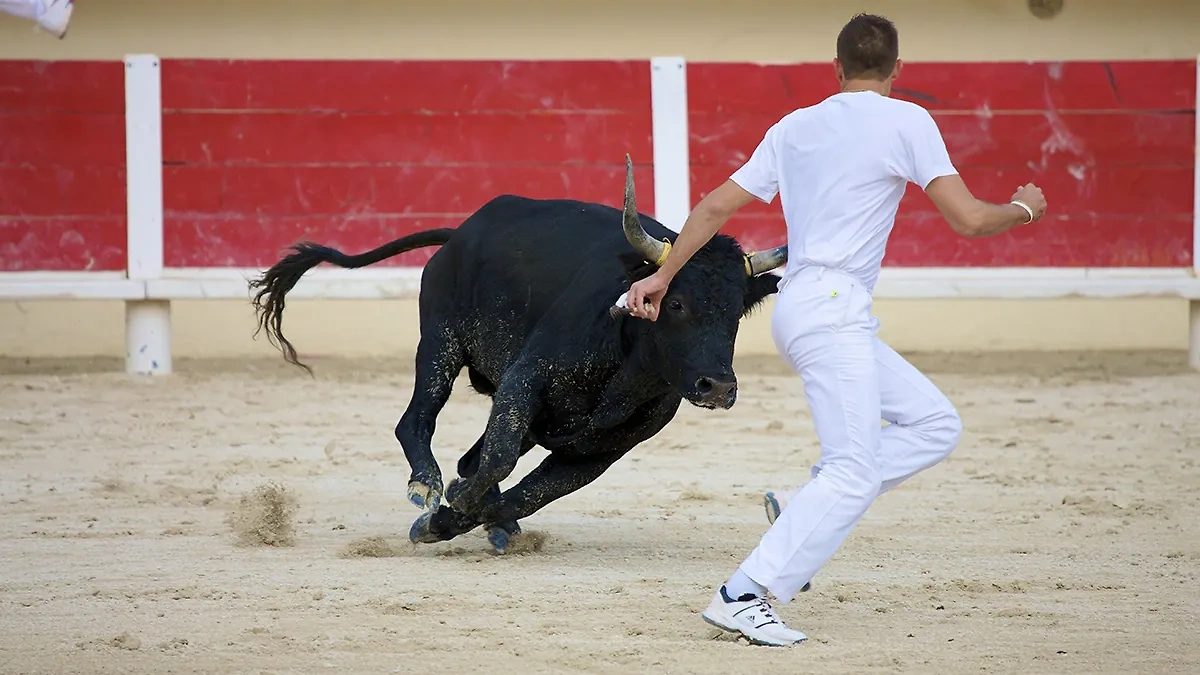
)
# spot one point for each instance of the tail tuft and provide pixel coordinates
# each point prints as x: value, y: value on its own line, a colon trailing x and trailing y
x: 274, y: 284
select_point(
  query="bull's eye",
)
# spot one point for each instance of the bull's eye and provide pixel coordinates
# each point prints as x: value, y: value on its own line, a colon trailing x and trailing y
x: 675, y: 306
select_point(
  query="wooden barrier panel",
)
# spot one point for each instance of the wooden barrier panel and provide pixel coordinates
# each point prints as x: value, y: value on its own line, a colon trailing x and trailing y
x: 259, y: 154
x: 1112, y: 144
x: 62, y: 166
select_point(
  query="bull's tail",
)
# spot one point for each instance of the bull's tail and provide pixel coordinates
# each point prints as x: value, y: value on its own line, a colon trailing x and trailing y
x: 273, y: 285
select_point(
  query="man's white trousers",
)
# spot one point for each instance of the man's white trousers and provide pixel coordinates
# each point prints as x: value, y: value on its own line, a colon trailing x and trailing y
x: 823, y: 326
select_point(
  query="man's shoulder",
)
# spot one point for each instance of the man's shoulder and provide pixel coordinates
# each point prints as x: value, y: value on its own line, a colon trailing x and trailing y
x: 907, y: 109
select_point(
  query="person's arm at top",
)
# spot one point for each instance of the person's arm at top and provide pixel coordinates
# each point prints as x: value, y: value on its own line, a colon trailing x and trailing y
x: 709, y: 216
x: 755, y: 180
x: 932, y: 170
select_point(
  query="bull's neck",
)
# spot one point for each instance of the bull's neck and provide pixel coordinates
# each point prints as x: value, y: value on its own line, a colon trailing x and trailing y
x: 634, y: 383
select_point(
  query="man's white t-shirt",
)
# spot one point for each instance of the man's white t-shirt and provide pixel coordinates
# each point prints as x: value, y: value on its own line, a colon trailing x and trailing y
x: 840, y: 168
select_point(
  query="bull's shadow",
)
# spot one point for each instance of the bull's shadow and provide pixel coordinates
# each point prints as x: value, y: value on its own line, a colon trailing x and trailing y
x: 522, y: 295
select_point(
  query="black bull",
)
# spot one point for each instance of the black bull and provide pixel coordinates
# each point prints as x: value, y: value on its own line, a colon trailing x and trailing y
x: 522, y: 295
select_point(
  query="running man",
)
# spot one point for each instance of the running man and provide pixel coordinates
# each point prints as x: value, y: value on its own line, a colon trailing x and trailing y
x: 52, y: 16
x: 840, y: 168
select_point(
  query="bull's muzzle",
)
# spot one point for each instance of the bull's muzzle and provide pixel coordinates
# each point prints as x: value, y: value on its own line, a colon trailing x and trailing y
x: 716, y: 392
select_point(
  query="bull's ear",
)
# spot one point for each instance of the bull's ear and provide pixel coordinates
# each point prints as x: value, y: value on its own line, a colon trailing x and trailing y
x: 757, y: 290
x: 636, y: 267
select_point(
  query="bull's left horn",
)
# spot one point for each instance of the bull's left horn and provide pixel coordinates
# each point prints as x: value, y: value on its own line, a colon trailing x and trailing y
x: 765, y: 261
x: 651, y: 249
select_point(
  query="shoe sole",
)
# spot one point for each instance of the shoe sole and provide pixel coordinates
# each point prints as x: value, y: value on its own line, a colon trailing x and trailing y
x: 753, y: 641
x: 771, y: 505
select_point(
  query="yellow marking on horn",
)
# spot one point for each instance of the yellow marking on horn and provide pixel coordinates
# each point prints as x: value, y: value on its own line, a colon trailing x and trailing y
x: 666, y: 251
x: 746, y: 262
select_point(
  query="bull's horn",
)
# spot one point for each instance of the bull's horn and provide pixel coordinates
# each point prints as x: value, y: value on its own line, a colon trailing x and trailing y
x: 651, y: 249
x: 765, y: 261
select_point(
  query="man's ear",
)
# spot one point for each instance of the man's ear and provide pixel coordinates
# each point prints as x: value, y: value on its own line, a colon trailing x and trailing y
x: 757, y: 290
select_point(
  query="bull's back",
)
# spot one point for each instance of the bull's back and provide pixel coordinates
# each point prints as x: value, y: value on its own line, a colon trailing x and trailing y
x: 508, y: 263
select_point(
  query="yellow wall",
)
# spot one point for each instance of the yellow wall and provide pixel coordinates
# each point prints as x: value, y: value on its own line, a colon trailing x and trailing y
x: 757, y: 30
x: 760, y: 30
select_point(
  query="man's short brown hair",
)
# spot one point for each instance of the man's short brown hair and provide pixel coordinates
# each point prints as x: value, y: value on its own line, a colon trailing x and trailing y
x: 868, y: 47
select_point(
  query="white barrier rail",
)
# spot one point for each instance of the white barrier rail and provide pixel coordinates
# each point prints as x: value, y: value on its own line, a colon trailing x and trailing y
x: 147, y: 287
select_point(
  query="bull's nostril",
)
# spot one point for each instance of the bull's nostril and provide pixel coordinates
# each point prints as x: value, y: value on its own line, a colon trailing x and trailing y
x: 704, y: 385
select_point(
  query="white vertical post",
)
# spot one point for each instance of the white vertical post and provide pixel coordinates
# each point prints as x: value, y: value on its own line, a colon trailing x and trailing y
x: 1194, y: 333
x: 669, y: 110
x: 1196, y: 182
x: 147, y: 323
x: 1193, y: 303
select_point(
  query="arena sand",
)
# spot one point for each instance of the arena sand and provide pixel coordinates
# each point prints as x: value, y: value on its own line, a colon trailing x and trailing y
x: 241, y: 517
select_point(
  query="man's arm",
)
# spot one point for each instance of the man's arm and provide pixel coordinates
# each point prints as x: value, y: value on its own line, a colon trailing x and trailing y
x: 756, y: 179
x: 929, y: 166
x: 973, y: 217
x: 709, y: 216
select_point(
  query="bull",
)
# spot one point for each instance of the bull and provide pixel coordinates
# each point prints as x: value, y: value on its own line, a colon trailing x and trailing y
x: 522, y: 295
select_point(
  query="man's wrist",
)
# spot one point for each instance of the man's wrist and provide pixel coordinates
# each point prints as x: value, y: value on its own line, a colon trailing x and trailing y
x: 1024, y: 210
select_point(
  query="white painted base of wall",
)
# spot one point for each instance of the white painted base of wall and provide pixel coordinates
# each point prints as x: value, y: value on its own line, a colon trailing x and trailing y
x: 1194, y: 333
x: 327, y: 328
x: 148, y: 337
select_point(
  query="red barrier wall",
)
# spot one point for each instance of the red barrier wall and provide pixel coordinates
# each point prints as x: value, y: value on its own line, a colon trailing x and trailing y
x: 62, y: 166
x: 259, y: 154
x: 1112, y: 145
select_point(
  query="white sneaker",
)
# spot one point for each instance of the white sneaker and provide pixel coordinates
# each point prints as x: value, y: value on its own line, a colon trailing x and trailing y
x: 753, y: 617
x: 57, y: 17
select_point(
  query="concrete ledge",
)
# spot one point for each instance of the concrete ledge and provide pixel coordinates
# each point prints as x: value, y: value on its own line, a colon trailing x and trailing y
x: 405, y: 282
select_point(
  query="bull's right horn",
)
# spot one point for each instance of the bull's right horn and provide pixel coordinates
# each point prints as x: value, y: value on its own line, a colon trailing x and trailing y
x: 651, y: 249
x: 765, y: 261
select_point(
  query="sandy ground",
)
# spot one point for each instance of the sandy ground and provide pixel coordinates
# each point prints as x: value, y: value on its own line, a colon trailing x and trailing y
x: 1062, y: 537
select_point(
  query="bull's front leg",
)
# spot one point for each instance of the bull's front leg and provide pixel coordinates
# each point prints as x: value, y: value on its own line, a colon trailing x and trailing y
x: 447, y: 523
x: 559, y: 475
x: 554, y: 478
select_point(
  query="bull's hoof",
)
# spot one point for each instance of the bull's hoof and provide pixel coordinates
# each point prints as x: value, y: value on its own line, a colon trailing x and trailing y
x: 423, y: 496
x: 454, y: 495
x: 420, y: 532
x: 498, y: 538
x: 499, y: 535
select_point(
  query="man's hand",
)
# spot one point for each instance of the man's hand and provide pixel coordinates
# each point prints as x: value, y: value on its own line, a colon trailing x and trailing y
x: 1031, y: 195
x: 645, y: 297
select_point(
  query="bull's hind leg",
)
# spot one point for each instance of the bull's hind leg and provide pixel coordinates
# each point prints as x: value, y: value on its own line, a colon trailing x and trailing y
x: 439, y: 359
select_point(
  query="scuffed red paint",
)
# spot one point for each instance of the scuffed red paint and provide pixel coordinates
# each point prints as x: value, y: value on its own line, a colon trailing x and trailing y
x: 248, y: 241
x: 70, y: 244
